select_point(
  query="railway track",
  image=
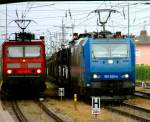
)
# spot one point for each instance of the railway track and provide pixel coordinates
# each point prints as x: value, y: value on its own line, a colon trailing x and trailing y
x: 22, y: 115
x: 132, y: 111
x: 142, y: 94
x: 49, y: 112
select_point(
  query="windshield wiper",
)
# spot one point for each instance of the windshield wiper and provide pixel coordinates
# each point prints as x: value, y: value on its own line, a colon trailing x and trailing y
x: 93, y: 54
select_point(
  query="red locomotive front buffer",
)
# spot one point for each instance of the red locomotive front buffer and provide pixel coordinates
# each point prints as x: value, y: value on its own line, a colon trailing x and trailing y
x: 23, y: 65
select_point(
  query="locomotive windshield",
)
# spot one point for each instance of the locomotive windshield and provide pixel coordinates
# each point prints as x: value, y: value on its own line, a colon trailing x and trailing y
x: 23, y: 51
x: 109, y: 50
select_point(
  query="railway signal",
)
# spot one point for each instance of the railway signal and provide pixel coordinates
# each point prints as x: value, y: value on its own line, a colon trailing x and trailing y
x: 61, y: 92
x: 95, y: 105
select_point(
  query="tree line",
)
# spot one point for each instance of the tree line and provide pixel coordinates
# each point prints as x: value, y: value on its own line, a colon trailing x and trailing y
x: 143, y: 72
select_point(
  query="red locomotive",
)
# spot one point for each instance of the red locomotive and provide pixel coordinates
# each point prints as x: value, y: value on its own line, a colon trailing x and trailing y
x: 23, y: 64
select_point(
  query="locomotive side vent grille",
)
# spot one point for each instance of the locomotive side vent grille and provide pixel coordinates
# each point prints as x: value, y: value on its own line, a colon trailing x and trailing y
x: 34, y: 65
x: 13, y: 65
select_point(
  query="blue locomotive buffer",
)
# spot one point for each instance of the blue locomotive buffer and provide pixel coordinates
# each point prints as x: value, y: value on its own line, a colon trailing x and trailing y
x: 109, y: 64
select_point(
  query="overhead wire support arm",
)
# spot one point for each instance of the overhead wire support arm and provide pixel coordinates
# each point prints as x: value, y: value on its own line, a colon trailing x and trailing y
x: 105, y: 10
x: 102, y: 20
x: 21, y: 20
x: 23, y: 24
x: 99, y: 15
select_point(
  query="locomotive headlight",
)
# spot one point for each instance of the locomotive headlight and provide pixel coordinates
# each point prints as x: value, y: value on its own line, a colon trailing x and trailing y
x: 88, y: 85
x: 38, y: 71
x: 9, y: 71
x: 95, y: 76
x: 110, y: 61
x: 23, y: 60
x: 126, y: 76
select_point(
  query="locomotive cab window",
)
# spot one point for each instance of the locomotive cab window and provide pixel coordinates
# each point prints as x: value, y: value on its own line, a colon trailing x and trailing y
x: 23, y: 51
x: 32, y: 51
x: 109, y: 50
x: 100, y: 50
x: 15, y: 51
x: 119, y: 51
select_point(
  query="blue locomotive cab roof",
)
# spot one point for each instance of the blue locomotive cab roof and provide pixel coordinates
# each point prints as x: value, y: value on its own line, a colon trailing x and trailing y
x: 111, y: 40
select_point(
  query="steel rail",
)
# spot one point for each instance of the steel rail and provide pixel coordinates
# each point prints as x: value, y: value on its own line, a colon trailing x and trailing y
x: 49, y: 112
x: 136, y: 107
x: 142, y: 94
x: 18, y: 112
x: 133, y: 116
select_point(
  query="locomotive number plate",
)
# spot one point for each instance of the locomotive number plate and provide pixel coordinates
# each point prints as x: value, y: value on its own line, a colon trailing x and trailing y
x: 111, y: 76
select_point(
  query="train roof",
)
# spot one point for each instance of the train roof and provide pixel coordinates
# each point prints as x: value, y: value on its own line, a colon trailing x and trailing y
x: 99, y: 35
x: 14, y: 42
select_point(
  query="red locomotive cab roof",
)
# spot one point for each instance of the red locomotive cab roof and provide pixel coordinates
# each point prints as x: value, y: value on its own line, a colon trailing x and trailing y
x: 37, y: 40
x: 14, y: 42
x: 25, y: 38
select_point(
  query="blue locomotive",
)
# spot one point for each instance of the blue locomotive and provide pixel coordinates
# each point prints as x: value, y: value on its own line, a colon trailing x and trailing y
x: 96, y: 66
x: 99, y: 63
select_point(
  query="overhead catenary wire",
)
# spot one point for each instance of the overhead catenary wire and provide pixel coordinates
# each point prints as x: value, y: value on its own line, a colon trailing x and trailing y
x: 82, y: 20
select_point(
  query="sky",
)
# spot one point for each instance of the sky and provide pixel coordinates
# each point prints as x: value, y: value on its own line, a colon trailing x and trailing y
x: 48, y: 16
